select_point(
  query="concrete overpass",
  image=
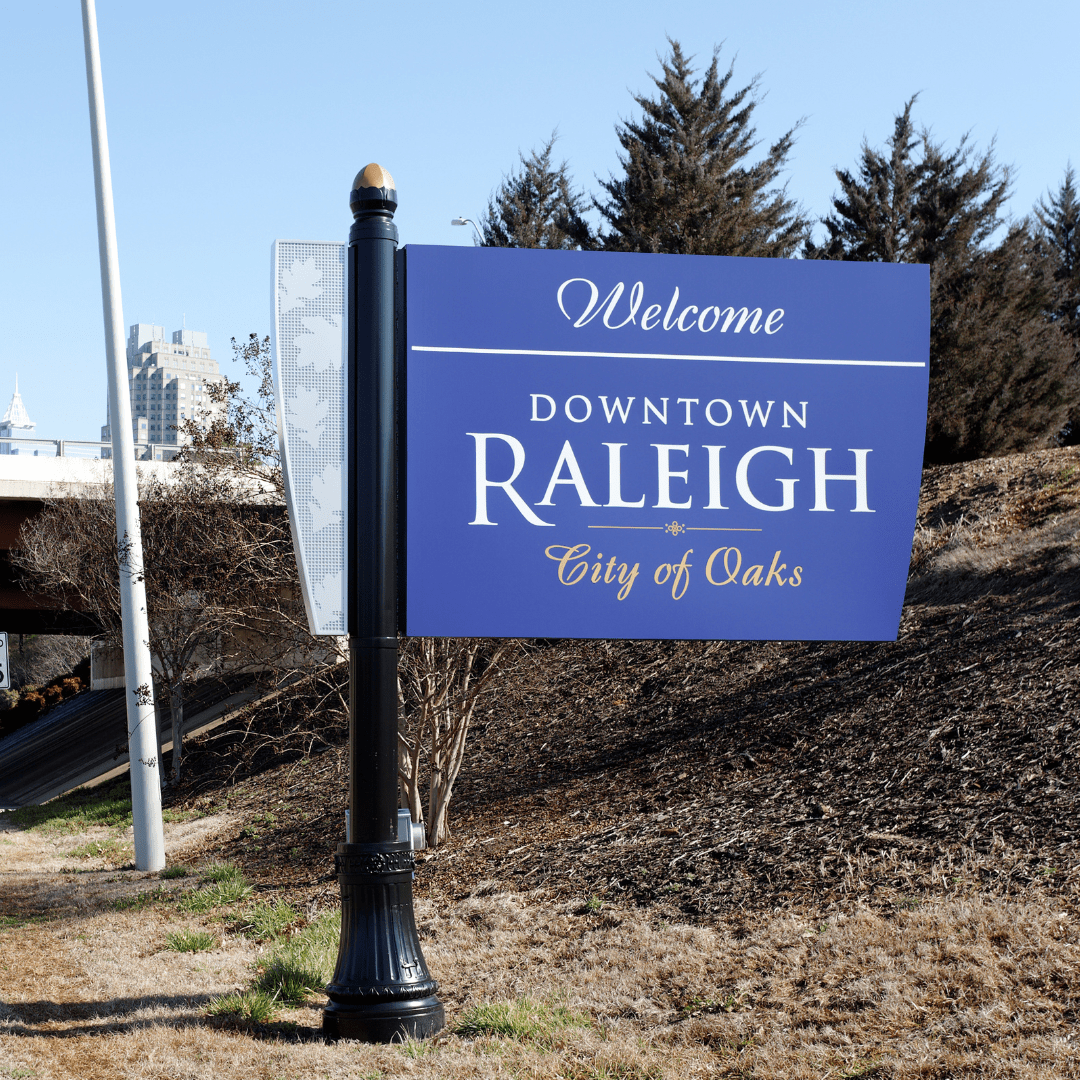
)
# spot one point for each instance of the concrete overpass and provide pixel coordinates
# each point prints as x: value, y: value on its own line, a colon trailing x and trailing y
x: 84, y: 739
x: 26, y: 484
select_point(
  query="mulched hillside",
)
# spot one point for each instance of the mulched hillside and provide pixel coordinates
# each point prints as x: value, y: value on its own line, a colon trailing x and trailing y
x: 712, y: 778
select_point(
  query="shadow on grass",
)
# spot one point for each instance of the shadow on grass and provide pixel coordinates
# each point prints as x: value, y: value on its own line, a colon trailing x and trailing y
x: 42, y: 1019
x: 36, y: 1017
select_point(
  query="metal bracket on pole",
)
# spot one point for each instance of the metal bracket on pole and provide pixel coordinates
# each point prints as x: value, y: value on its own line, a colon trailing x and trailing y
x: 381, y: 990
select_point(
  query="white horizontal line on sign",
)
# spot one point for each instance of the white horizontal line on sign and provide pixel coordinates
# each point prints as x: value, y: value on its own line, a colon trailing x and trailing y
x: 668, y: 356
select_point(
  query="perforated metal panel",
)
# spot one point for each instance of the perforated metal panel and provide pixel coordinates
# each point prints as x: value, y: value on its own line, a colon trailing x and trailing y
x: 309, y: 387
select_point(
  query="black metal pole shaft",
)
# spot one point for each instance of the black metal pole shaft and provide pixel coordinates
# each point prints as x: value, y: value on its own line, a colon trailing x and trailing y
x: 381, y: 989
x: 373, y: 518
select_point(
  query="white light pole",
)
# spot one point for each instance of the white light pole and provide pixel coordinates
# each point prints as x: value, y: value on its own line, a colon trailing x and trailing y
x: 468, y: 221
x: 138, y: 676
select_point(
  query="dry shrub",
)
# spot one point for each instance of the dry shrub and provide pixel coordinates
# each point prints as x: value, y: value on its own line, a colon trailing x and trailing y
x: 70, y: 687
x: 440, y: 681
x: 24, y: 708
x: 221, y: 585
x: 30, y: 704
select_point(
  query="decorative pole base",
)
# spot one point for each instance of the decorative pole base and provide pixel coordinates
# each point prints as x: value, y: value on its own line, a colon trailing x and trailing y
x: 382, y: 990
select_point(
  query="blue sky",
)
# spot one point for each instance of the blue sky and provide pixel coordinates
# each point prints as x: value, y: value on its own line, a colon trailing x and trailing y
x: 232, y: 124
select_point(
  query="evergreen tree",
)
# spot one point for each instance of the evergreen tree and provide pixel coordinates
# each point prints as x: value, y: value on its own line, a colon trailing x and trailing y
x: 1000, y: 371
x: 1058, y: 218
x: 916, y: 203
x: 1002, y: 374
x: 535, y: 206
x: 686, y: 185
x: 873, y: 221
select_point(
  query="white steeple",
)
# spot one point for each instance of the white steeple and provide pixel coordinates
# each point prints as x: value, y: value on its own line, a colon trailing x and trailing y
x: 16, y: 415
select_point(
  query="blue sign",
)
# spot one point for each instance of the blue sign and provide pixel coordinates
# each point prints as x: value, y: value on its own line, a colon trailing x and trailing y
x: 659, y: 446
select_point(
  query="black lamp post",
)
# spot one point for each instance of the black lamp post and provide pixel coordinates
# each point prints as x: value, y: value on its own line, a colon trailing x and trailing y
x: 382, y: 989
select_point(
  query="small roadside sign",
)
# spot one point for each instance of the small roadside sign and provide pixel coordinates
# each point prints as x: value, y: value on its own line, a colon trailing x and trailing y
x: 5, y: 674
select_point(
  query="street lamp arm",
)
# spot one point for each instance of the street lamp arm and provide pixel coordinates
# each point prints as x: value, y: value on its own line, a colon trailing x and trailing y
x: 469, y: 221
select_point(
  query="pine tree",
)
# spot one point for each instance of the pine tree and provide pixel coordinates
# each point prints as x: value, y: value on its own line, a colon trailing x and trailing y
x: 873, y: 221
x: 687, y: 186
x: 535, y: 206
x: 1000, y: 371
x: 1058, y: 217
x: 1002, y: 374
x: 917, y: 203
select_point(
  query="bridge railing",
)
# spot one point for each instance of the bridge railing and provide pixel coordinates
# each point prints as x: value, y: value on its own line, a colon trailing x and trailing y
x: 82, y: 448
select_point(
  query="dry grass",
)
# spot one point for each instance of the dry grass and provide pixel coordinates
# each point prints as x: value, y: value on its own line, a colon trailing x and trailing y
x: 947, y: 989
x: 904, y: 945
x: 996, y: 518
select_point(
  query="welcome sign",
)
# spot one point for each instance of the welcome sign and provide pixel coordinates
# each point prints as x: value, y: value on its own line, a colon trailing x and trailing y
x: 654, y: 446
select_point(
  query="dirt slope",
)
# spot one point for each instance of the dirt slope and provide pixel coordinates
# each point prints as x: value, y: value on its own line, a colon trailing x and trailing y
x: 706, y: 778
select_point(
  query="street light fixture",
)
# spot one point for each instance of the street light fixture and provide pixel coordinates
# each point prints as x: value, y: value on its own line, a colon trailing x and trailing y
x: 468, y: 221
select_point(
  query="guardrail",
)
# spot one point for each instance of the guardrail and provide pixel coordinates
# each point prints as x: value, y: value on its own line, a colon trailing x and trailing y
x: 85, y: 448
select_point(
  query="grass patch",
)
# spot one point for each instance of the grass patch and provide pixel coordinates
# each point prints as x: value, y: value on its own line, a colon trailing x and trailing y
x: 191, y: 941
x: 524, y: 1020
x: 418, y: 1048
x: 225, y: 884
x: 302, y: 964
x: 222, y: 871
x: 142, y: 899
x: 78, y: 810
x: 266, y: 921
x: 14, y: 922
x: 315, y: 947
x: 861, y: 1069
x: 618, y: 1070
x: 216, y: 894
x: 290, y: 982
x: 171, y: 872
x: 255, y: 1006
x: 731, y: 1003
x: 907, y: 903
x: 299, y: 965
x: 109, y: 849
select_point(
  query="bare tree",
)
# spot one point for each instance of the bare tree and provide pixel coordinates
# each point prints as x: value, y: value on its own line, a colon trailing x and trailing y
x: 440, y: 681
x: 222, y: 587
x: 37, y: 658
x: 218, y: 564
x: 242, y: 439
